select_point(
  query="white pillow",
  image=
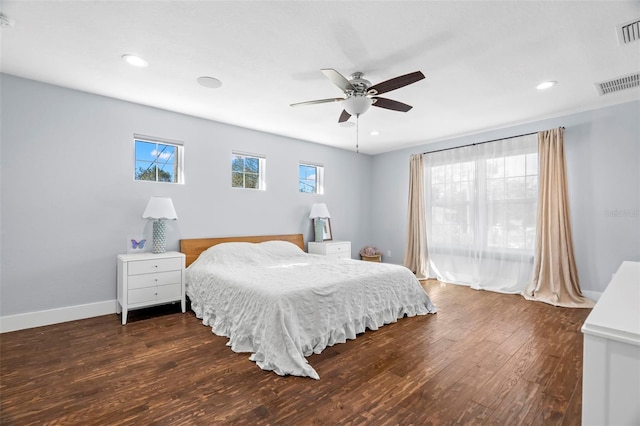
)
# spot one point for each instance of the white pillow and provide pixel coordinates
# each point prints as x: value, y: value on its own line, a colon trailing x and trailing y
x: 249, y: 253
x: 280, y: 249
x: 228, y: 253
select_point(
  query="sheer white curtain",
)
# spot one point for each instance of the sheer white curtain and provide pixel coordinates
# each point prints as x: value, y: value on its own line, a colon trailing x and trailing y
x: 481, y: 213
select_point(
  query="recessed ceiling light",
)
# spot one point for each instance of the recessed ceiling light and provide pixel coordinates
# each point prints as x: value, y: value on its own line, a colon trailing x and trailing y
x: 347, y: 124
x: 374, y: 133
x: 546, y: 84
x: 210, y: 82
x: 134, y: 60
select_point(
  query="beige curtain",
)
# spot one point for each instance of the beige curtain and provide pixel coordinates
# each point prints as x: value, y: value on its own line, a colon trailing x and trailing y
x: 555, y: 277
x: 415, y: 255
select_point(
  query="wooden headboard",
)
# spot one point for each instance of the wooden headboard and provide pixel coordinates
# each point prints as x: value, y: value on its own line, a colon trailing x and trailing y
x: 194, y: 246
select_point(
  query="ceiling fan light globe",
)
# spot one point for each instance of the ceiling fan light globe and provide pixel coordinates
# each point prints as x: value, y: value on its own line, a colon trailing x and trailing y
x: 357, y: 104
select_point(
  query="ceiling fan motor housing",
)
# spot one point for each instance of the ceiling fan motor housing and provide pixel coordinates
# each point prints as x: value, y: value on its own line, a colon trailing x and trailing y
x: 359, y: 84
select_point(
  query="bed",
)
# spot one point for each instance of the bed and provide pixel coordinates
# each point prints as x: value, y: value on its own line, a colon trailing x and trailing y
x: 280, y: 304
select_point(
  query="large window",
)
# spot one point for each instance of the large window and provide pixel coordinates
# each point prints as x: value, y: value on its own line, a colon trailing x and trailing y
x: 512, y: 193
x: 452, y: 194
x: 311, y: 178
x: 248, y: 171
x: 481, y: 205
x: 498, y: 189
x: 157, y: 160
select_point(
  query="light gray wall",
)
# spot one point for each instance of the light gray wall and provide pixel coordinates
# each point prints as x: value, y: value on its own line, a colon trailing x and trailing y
x: 603, y: 169
x: 69, y: 199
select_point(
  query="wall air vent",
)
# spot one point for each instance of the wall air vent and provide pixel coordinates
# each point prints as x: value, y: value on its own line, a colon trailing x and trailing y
x: 629, y: 32
x: 618, y: 84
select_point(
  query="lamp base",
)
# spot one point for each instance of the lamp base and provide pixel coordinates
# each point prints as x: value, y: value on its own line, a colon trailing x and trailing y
x: 158, y: 236
x: 319, y: 229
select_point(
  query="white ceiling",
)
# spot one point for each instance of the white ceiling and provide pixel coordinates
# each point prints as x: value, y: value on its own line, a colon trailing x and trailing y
x: 482, y: 60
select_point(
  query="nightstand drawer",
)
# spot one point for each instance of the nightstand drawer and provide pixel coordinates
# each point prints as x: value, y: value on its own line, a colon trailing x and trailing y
x: 155, y: 265
x: 338, y: 248
x: 339, y: 255
x: 149, y: 280
x: 151, y: 294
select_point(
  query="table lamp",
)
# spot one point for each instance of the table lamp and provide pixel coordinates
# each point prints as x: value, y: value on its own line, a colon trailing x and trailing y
x: 319, y: 212
x: 159, y: 209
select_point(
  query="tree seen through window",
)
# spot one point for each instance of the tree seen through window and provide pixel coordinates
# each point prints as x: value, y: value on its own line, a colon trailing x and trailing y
x: 155, y: 161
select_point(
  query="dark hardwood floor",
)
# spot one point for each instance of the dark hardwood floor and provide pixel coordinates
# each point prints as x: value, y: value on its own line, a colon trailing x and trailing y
x: 484, y: 358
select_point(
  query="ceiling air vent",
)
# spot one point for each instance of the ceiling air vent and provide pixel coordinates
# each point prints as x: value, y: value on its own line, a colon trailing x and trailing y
x: 629, y: 32
x: 618, y: 84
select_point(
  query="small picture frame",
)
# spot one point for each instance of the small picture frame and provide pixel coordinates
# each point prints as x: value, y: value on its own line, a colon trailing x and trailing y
x: 326, y: 232
x: 137, y: 244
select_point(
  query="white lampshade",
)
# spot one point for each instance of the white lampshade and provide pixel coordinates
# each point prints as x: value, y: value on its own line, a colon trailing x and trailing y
x: 319, y: 210
x: 357, y: 104
x: 159, y: 208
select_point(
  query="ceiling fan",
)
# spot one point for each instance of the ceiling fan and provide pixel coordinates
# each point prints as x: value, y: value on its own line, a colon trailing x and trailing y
x: 360, y: 94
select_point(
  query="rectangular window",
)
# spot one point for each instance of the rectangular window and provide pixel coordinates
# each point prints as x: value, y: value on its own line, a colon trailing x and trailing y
x: 483, y: 198
x: 311, y: 178
x: 248, y: 171
x: 512, y: 190
x: 452, y: 190
x: 157, y: 160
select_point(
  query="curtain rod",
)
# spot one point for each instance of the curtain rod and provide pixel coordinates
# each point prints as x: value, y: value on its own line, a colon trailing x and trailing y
x: 480, y: 143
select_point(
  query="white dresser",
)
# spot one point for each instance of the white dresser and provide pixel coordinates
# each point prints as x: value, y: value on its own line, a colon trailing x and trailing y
x: 335, y: 249
x: 147, y: 279
x: 611, y: 364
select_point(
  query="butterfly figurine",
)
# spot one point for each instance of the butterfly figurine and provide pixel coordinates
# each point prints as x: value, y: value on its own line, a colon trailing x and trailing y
x: 138, y: 244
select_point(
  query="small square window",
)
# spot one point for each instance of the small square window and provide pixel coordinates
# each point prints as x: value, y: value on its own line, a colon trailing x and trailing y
x: 157, y: 161
x: 311, y: 178
x: 248, y: 171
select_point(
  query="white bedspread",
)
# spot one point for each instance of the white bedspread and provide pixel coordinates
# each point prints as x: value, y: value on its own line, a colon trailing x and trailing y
x: 282, y: 304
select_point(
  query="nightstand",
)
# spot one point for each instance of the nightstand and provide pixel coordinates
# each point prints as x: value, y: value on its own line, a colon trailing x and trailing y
x: 334, y: 249
x: 148, y: 279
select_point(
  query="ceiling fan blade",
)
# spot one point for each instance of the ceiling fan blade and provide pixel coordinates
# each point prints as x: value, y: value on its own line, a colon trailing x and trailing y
x: 344, y: 116
x: 391, y: 104
x: 319, y: 101
x: 396, y: 83
x: 338, y: 79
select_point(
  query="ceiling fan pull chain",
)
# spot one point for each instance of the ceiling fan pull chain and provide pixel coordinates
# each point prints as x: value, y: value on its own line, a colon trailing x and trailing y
x: 357, y: 133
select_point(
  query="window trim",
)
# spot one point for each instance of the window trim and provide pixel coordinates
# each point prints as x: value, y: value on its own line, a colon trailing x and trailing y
x: 179, y: 145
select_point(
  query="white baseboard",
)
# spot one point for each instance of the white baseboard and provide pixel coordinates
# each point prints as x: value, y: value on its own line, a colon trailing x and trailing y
x: 593, y: 295
x: 54, y: 316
